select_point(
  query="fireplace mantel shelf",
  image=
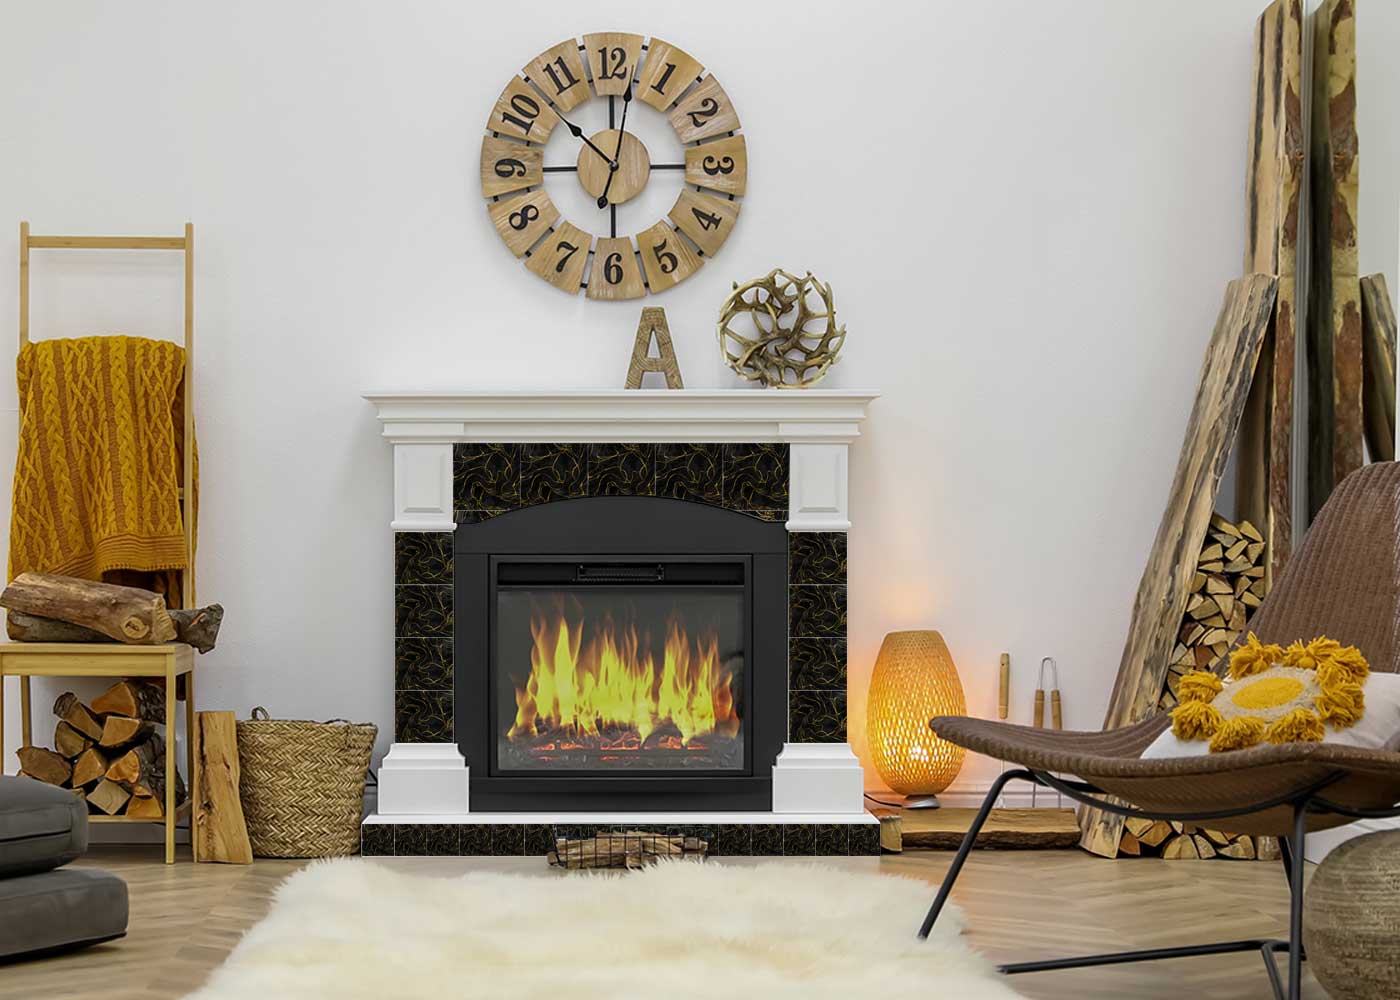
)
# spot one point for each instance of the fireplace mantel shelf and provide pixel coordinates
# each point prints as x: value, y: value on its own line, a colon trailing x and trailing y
x: 818, y: 424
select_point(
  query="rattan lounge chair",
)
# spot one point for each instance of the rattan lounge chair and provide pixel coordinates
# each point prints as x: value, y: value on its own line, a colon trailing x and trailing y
x: 1344, y: 582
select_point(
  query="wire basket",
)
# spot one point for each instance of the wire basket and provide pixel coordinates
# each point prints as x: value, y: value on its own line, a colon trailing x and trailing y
x: 303, y: 784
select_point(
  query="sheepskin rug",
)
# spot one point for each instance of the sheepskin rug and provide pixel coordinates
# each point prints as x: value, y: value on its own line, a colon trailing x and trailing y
x: 352, y: 929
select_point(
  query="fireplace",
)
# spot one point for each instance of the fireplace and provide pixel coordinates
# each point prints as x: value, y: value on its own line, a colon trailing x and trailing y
x: 621, y: 653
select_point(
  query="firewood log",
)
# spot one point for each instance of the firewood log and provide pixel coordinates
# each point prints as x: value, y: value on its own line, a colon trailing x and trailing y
x: 139, y: 763
x: 146, y: 807
x: 120, y: 731
x: 72, y: 711
x: 68, y: 741
x: 135, y: 699
x: 91, y: 765
x: 127, y: 614
x: 199, y: 627
x: 109, y: 797
x: 1241, y: 849
x: 1181, y: 847
x: 45, y: 764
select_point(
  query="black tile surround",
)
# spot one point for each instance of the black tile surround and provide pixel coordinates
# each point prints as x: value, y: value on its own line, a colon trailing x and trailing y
x: 490, y: 479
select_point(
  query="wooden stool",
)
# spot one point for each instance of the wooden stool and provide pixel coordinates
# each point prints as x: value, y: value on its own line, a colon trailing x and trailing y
x: 84, y: 659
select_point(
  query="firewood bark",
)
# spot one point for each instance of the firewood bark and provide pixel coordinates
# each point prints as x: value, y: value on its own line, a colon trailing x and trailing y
x: 199, y: 627
x: 136, y: 699
x: 109, y: 797
x: 1378, y: 366
x: 68, y: 741
x: 91, y: 765
x: 127, y: 614
x: 220, y: 833
x: 45, y: 764
x: 72, y: 711
x: 119, y: 731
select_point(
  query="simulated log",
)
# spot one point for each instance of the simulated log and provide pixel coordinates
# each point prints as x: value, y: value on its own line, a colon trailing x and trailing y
x: 199, y: 627
x: 220, y: 833
x: 68, y: 741
x: 72, y: 711
x: 632, y: 849
x: 135, y: 699
x: 109, y: 797
x: 127, y: 614
x: 45, y: 764
x: 1164, y: 589
x: 120, y: 731
x: 91, y: 765
x: 1334, y: 289
x: 1378, y: 364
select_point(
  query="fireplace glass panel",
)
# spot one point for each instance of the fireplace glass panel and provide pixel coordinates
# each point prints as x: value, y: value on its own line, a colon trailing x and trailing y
x: 620, y: 679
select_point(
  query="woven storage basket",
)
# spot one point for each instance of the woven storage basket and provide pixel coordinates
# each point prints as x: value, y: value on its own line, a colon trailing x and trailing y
x: 303, y: 785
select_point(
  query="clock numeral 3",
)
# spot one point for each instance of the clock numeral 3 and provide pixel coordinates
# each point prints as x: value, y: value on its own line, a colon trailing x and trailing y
x: 665, y: 258
x: 612, y: 269
x: 527, y: 109
x: 570, y: 250
x: 711, y: 166
x: 522, y: 218
x: 612, y: 63
x: 510, y: 168
x: 709, y: 107
x: 562, y: 79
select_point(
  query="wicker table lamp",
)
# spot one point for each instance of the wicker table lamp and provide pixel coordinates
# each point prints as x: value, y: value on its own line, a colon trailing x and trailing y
x: 914, y: 680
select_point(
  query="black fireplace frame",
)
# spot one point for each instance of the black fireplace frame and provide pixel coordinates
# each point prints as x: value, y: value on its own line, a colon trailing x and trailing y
x: 623, y: 529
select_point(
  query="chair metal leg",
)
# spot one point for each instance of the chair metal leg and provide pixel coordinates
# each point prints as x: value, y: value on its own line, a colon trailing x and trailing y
x: 1295, y: 906
x: 966, y: 848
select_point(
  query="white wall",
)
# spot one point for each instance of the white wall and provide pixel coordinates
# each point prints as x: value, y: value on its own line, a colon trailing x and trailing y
x: 1028, y: 212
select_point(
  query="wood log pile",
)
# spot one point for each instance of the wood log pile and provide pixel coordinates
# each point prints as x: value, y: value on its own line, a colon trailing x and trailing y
x: 630, y: 850
x: 1175, y: 841
x: 110, y: 753
x: 1228, y: 585
x: 45, y: 607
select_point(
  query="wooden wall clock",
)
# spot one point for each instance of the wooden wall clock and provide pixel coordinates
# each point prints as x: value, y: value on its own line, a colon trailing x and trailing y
x: 613, y: 165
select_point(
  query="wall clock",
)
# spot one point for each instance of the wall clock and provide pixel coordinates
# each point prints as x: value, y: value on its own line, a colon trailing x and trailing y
x: 627, y: 121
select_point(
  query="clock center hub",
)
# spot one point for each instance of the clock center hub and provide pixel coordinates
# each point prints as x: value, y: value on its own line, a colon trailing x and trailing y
x: 633, y: 166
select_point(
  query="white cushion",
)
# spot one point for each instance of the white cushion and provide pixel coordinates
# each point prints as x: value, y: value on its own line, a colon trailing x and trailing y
x: 1379, y: 726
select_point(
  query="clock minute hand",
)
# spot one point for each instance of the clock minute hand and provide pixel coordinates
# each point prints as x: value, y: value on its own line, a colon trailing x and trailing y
x: 577, y: 133
x: 621, y: 132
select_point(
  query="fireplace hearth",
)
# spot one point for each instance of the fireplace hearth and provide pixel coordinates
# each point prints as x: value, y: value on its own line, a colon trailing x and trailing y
x: 621, y: 653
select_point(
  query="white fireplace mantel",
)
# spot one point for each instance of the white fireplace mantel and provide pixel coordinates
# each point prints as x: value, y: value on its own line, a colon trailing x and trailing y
x: 818, y: 424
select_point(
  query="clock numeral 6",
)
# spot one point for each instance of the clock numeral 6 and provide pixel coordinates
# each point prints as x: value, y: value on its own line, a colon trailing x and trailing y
x: 711, y: 166
x: 526, y: 109
x: 665, y: 258
x: 510, y: 167
x: 570, y: 250
x: 522, y: 218
x: 612, y: 268
x: 709, y: 107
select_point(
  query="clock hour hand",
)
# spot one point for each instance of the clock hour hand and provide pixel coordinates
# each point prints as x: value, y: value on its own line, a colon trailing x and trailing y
x: 621, y: 132
x: 577, y: 133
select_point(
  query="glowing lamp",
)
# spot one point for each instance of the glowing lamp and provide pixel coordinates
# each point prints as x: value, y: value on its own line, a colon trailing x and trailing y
x: 914, y: 680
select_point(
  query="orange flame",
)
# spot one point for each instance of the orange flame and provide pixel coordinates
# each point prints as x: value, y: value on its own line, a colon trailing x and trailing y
x: 613, y: 682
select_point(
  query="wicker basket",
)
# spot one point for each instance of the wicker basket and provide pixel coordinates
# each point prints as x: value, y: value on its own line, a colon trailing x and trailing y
x: 303, y: 785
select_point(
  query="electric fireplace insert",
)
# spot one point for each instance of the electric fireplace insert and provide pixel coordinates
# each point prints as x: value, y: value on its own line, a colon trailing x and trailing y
x: 621, y: 653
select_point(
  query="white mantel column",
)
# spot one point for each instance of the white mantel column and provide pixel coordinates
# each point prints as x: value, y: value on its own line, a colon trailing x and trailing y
x: 423, y: 487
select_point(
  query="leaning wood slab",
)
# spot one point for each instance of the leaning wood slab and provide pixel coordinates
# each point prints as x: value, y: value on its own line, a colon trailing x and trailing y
x: 943, y: 829
x: 1378, y: 357
x: 1334, y: 295
x: 1277, y: 144
x: 220, y: 833
x: 199, y: 627
x: 127, y: 614
x: 1171, y: 568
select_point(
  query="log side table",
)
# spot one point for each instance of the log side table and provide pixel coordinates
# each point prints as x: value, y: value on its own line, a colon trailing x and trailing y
x: 85, y: 659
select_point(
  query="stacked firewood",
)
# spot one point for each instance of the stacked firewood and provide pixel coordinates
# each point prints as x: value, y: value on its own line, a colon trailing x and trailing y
x: 109, y: 752
x: 623, y: 850
x: 1159, y: 838
x: 1228, y: 586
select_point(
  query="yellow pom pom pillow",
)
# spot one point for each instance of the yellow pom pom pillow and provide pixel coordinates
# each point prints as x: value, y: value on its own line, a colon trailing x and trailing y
x: 1310, y: 692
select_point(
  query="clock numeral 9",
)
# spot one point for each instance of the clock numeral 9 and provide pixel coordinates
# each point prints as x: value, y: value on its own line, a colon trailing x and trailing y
x: 527, y: 109
x: 709, y: 107
x: 510, y: 167
x: 612, y: 63
x: 612, y: 269
x: 711, y: 166
x: 665, y: 258
x: 564, y: 260
x: 522, y: 218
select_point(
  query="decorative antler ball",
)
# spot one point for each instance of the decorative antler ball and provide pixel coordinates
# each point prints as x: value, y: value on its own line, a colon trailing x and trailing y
x: 794, y: 337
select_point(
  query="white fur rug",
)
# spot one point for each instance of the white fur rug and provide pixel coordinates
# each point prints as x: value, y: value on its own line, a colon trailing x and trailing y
x: 354, y: 929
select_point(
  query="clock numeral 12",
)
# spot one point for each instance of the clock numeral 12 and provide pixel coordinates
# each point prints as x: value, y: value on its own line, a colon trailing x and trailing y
x: 618, y: 64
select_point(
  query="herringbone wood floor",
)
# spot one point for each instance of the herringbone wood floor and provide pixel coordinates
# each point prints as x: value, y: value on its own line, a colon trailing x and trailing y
x: 1020, y: 904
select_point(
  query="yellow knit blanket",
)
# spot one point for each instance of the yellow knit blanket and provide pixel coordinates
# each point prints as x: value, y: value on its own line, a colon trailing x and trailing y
x: 101, y: 440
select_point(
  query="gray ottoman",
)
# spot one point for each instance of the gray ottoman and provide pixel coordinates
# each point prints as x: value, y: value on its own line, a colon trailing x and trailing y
x: 44, y: 906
